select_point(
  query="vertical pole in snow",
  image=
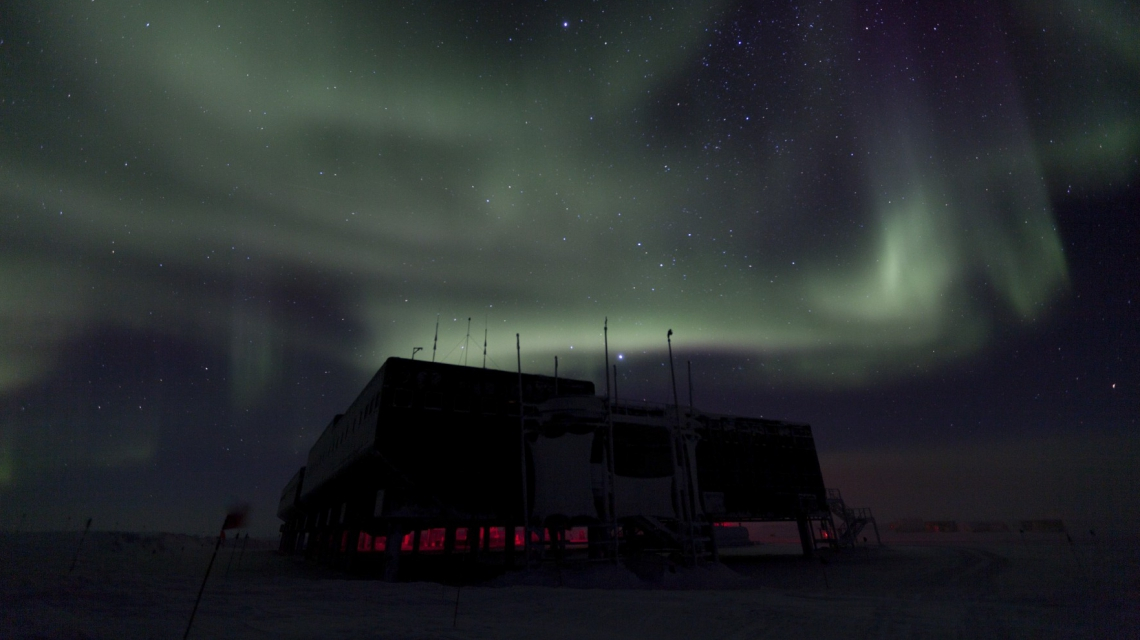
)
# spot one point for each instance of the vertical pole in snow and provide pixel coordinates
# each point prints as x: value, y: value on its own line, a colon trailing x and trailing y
x: 522, y: 454
x: 484, y: 343
x: 81, y: 537
x: 194, y: 611
x: 241, y: 554
x: 233, y: 552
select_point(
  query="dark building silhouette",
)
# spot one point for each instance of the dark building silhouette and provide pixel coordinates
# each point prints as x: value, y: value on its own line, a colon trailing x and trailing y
x: 427, y: 465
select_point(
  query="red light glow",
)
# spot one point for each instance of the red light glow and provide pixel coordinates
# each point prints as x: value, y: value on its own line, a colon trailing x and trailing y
x: 434, y: 540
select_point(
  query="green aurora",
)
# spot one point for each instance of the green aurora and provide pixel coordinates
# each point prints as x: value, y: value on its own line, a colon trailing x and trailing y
x: 280, y: 178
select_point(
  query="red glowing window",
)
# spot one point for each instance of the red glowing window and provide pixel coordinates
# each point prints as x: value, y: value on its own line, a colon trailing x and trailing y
x: 432, y: 539
x: 498, y: 537
x: 364, y: 542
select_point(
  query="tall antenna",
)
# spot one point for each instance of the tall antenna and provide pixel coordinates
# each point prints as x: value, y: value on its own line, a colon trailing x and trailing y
x: 611, y: 477
x: 466, y: 341
x: 435, y: 341
x: 484, y: 342
x: 522, y: 454
x: 680, y: 460
x: 689, y: 364
x: 669, y: 339
x: 606, y: 338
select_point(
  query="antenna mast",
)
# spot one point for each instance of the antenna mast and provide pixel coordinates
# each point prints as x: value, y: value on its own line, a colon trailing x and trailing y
x: 681, y: 463
x: 611, y: 477
x: 672, y: 375
x: 522, y: 454
x: 606, y: 338
x: 466, y: 342
x: 689, y: 364
x: 435, y: 341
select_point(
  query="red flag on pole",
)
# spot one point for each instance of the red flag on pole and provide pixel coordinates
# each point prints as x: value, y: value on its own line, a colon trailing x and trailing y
x: 236, y: 517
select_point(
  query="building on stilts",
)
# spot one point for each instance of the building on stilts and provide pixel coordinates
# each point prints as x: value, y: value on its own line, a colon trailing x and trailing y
x: 438, y: 469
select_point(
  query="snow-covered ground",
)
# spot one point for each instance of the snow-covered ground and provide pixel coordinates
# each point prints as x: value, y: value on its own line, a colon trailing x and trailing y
x: 954, y: 586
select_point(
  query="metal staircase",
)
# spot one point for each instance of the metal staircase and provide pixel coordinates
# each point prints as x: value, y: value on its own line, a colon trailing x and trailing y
x: 848, y: 522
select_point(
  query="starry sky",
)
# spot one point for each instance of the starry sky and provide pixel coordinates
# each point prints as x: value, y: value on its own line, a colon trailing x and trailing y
x: 912, y: 225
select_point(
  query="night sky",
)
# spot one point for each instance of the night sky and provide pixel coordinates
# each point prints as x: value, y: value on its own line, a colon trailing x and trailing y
x: 911, y: 225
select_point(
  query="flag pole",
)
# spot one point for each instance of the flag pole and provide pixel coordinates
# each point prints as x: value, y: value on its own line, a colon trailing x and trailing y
x: 194, y: 611
x: 522, y: 454
x: 235, y: 519
x: 241, y: 553
x: 233, y: 554
x: 76, y: 558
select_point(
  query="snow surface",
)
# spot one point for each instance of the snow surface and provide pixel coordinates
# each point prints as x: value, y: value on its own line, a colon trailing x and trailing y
x: 954, y: 586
